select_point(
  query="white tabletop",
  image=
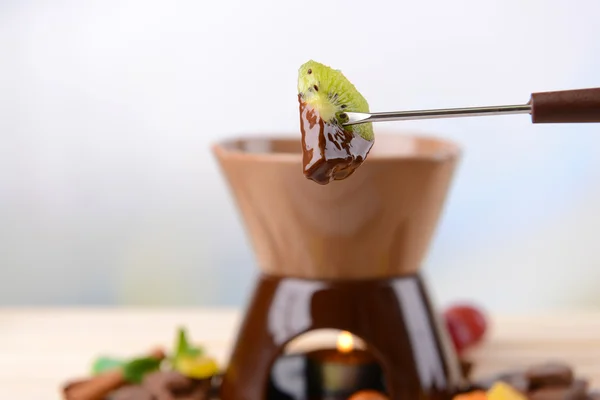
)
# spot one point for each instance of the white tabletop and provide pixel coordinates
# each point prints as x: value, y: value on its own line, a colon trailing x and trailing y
x: 42, y: 348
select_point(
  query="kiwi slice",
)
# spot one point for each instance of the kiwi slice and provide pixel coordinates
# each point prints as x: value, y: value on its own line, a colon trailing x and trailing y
x: 332, y: 94
x: 331, y: 151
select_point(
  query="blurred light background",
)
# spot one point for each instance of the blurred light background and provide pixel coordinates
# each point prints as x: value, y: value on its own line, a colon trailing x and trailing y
x: 109, y: 193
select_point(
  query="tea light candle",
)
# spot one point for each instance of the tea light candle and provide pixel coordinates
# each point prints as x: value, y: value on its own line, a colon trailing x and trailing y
x: 339, y: 373
x: 368, y: 395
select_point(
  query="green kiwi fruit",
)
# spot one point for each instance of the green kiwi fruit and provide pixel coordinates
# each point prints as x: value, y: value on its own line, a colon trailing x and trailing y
x: 331, y: 94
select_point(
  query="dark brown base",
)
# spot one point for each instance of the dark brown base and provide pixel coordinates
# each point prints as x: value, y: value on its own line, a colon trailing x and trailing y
x: 394, y: 317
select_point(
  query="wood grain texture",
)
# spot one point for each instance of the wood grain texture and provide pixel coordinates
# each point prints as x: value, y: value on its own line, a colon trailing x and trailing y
x: 40, y: 349
x: 383, y: 217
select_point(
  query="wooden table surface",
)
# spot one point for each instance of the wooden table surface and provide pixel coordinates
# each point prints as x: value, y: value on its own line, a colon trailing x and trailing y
x: 41, y: 348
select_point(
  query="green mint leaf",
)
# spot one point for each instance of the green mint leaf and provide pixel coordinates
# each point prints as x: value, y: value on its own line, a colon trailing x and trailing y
x: 135, y: 370
x: 194, y: 352
x: 103, y: 364
x: 183, y: 347
x: 182, y: 343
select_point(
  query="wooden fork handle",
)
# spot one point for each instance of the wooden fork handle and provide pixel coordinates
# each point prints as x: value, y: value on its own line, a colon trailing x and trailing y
x: 567, y: 106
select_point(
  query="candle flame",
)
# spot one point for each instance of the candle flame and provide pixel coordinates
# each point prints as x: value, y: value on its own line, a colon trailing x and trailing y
x: 345, y: 342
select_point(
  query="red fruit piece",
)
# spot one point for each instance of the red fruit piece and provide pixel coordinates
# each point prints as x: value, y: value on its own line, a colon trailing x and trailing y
x: 466, y: 325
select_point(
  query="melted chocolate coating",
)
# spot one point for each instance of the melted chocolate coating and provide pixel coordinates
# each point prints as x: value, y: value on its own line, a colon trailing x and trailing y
x: 329, y: 152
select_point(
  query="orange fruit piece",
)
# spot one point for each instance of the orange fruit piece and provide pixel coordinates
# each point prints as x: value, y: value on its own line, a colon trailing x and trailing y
x: 503, y: 391
x: 474, y: 395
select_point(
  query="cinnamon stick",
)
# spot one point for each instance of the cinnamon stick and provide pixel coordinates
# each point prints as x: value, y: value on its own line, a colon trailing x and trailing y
x: 99, y: 386
x: 96, y: 388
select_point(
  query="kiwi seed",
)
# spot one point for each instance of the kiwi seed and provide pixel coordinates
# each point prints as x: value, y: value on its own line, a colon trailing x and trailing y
x: 309, y: 71
x: 316, y: 88
x: 342, y: 117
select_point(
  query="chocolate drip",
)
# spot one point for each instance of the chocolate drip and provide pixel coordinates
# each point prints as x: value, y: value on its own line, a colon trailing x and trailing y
x: 329, y: 152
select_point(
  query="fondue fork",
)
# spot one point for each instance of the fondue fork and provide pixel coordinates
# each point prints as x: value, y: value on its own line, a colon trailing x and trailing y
x: 566, y: 106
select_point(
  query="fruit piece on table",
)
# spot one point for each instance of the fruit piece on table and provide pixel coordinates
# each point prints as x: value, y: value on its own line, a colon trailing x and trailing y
x: 474, y: 395
x: 466, y: 324
x: 499, y: 391
x: 503, y: 391
x: 197, y: 367
x: 191, y: 361
x: 330, y: 150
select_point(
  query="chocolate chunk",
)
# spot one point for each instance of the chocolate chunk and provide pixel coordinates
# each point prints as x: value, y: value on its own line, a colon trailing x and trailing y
x: 199, y: 394
x: 213, y: 386
x: 171, y: 382
x: 594, y: 395
x: 576, y: 391
x: 171, y: 385
x: 133, y: 392
x: 550, y: 374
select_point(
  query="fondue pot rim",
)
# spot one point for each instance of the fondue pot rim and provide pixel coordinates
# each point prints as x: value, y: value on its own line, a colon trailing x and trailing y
x: 429, y: 147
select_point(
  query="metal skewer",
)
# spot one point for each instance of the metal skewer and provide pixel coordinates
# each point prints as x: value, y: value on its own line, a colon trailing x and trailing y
x: 361, y: 118
x: 567, y: 106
